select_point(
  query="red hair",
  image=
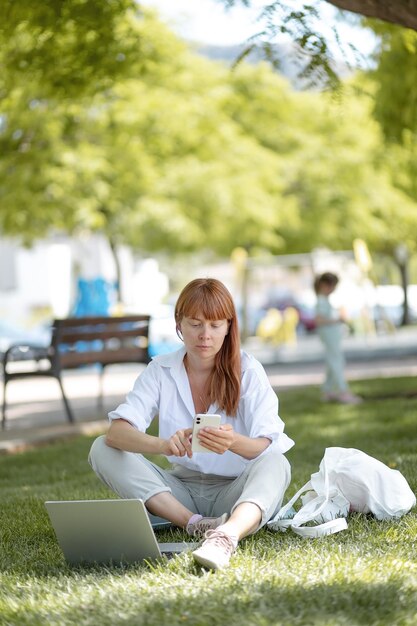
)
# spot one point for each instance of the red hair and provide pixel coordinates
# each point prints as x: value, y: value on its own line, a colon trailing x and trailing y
x: 209, y: 298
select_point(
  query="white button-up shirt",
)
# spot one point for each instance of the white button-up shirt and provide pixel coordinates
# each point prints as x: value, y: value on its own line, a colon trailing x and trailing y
x: 163, y: 390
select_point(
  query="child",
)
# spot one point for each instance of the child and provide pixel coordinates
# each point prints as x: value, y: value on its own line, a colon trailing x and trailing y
x: 330, y: 330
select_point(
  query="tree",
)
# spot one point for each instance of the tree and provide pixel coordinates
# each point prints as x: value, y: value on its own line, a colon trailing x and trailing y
x: 49, y: 165
x: 395, y: 109
x: 156, y: 162
x: 215, y: 187
x: 70, y: 48
x: 328, y: 156
x: 395, y: 96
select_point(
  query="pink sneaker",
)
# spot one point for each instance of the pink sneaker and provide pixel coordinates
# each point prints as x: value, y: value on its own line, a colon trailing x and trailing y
x: 216, y: 550
x: 198, y: 525
x: 349, y: 398
x: 330, y: 397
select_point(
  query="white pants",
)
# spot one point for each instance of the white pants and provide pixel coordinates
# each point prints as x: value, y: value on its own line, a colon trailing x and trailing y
x: 335, y: 366
x: 130, y: 475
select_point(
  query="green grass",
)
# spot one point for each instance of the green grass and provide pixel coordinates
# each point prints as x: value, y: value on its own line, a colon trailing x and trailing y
x: 364, y: 576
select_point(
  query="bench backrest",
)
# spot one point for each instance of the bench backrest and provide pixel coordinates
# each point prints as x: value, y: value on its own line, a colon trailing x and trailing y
x: 81, y: 341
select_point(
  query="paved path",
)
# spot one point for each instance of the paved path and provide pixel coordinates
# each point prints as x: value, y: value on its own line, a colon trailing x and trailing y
x: 36, y: 415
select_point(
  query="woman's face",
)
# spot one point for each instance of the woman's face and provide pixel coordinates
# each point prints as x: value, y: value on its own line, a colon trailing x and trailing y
x: 203, y: 338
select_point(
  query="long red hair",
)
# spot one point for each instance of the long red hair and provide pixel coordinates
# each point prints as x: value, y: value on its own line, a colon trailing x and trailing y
x: 210, y: 299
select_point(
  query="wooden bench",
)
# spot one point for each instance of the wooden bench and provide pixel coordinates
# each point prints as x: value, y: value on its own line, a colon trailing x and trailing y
x: 77, y: 342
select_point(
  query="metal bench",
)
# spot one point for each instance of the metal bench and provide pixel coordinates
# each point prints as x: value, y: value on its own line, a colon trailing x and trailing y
x: 78, y: 342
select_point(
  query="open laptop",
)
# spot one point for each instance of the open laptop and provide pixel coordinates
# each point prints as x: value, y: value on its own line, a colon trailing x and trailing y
x: 104, y: 531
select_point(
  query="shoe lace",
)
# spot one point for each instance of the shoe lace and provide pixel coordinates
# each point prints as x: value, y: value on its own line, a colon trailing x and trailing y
x: 221, y: 540
x: 204, y: 525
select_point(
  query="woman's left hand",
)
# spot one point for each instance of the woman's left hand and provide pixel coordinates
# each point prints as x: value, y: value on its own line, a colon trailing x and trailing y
x: 217, y: 439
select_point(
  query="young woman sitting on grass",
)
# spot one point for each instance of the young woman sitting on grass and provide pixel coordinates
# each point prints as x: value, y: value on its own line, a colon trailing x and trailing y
x: 235, y: 487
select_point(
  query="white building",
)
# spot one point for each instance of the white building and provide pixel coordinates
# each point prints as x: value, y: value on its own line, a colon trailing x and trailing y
x: 41, y: 282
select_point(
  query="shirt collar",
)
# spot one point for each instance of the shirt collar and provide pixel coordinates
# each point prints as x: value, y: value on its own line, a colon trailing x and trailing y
x: 174, y: 361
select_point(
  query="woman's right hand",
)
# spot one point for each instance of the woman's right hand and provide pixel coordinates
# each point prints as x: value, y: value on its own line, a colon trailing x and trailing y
x: 179, y: 443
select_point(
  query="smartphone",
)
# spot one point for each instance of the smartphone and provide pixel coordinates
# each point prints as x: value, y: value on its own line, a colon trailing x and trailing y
x: 202, y: 420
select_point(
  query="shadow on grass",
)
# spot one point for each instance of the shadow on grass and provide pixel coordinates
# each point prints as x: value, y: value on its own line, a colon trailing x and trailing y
x: 239, y: 602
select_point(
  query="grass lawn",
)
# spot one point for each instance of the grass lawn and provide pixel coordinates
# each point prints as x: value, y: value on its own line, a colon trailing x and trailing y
x: 364, y: 576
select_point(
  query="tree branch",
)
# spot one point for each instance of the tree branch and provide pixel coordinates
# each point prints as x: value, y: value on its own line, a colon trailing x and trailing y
x: 402, y: 12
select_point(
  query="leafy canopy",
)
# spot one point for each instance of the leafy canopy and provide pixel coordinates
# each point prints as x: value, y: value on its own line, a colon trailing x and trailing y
x: 177, y: 153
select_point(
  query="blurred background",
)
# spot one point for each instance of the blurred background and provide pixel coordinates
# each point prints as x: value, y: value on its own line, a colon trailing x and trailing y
x: 133, y: 158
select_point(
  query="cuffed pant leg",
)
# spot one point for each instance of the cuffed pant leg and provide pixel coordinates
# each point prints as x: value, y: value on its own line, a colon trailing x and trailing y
x: 263, y: 483
x: 130, y: 475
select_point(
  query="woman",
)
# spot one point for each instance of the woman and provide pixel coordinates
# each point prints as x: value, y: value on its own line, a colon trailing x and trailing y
x: 235, y: 487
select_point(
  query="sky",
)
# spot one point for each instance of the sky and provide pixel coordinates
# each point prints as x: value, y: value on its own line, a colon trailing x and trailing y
x: 207, y: 21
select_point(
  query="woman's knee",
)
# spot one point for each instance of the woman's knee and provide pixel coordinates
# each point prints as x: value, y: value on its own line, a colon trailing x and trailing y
x: 281, y: 460
x: 100, y: 453
x: 278, y: 465
x: 112, y: 466
x: 95, y: 450
x: 276, y: 458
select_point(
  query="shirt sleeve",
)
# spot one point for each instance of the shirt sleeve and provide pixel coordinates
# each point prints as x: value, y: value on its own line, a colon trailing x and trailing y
x: 142, y: 403
x: 258, y: 408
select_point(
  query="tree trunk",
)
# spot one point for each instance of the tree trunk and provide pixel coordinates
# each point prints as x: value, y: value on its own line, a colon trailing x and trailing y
x: 402, y: 12
x: 113, y: 248
x: 403, y: 267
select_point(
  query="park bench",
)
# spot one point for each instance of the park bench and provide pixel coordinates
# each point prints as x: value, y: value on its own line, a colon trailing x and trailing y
x: 75, y: 343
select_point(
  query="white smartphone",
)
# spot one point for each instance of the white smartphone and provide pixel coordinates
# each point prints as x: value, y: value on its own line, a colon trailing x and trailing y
x: 202, y: 420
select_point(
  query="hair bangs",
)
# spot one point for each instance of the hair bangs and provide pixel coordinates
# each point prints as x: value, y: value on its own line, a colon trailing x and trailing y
x: 208, y: 303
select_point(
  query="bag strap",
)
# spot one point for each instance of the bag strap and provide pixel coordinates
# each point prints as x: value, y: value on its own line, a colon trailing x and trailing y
x: 320, y: 530
x: 280, y: 521
x: 307, y: 513
x: 328, y: 528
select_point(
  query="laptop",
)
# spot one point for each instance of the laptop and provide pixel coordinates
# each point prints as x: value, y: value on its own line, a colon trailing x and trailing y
x: 107, y: 531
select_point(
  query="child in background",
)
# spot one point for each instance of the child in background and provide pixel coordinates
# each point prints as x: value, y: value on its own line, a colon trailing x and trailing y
x: 330, y: 330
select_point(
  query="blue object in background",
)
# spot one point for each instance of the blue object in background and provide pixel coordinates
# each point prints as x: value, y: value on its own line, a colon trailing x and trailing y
x: 162, y: 334
x: 94, y: 297
x: 162, y: 347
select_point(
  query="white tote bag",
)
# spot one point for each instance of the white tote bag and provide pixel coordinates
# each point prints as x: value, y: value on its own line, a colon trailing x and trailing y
x: 348, y: 480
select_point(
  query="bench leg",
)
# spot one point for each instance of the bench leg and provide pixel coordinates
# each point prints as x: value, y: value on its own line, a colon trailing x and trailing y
x: 70, y: 415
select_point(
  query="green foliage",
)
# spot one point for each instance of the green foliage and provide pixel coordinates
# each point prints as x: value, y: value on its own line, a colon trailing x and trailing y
x: 394, y: 87
x: 70, y: 48
x: 365, y: 575
x: 60, y: 156
x: 396, y: 91
x: 164, y: 150
x: 333, y: 163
